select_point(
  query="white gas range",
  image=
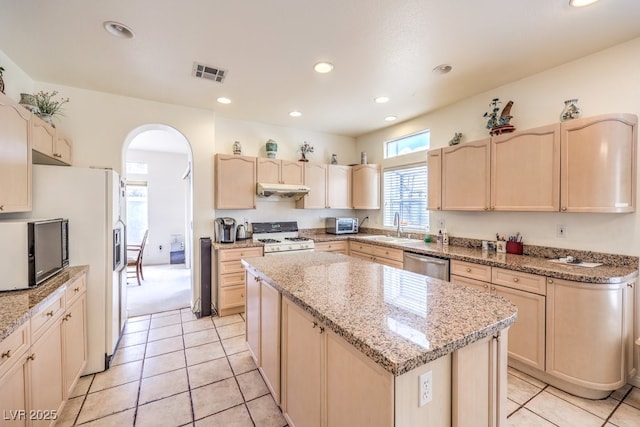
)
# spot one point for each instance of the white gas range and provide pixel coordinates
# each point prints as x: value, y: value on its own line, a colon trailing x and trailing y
x: 281, y: 237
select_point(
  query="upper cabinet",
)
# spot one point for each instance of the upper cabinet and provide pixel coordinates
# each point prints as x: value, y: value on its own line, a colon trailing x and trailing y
x: 339, y: 187
x: 15, y: 157
x: 315, y: 177
x: 599, y: 164
x: 235, y: 182
x: 274, y: 171
x: 525, y: 170
x: 50, y: 146
x: 365, y: 187
x: 466, y: 176
x: 582, y: 165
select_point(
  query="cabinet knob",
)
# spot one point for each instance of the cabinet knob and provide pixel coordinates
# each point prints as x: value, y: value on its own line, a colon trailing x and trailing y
x: 564, y: 208
x: 486, y: 286
x: 76, y: 290
x: 321, y: 329
x: 315, y: 324
x: 515, y: 279
x: 550, y: 281
x: 32, y: 356
x: 241, y: 295
x: 438, y: 208
x: 468, y: 270
x: 629, y: 285
x: 50, y: 313
x: 486, y: 208
x: 1, y: 207
x: 6, y: 354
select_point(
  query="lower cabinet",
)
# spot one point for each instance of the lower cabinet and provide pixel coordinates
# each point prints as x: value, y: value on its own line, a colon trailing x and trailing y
x: 46, y: 386
x: 379, y: 254
x: 339, y: 246
x: 74, y: 330
x: 230, y: 279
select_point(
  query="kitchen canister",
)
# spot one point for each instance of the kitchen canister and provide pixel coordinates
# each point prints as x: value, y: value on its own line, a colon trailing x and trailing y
x: 363, y: 158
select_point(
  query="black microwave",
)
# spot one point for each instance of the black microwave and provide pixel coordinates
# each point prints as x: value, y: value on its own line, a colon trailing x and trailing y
x: 34, y: 251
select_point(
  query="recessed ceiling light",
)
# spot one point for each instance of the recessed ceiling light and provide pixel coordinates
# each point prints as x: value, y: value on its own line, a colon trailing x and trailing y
x: 223, y: 100
x: 442, y: 69
x: 390, y: 118
x: 381, y: 99
x: 323, y: 67
x: 118, y: 30
x: 581, y: 3
x: 295, y: 114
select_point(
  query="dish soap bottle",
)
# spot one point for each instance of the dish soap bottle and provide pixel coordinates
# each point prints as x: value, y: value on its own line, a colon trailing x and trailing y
x: 445, y: 238
x: 439, y: 241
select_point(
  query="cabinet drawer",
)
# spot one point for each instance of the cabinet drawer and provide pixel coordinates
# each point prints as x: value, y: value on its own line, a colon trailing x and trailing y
x: 232, y: 279
x: 472, y: 283
x: 12, y: 347
x: 389, y: 253
x: 518, y: 280
x: 471, y: 270
x: 238, y: 254
x: 75, y: 289
x: 361, y: 247
x: 338, y: 246
x: 46, y: 317
x: 389, y: 262
x: 232, y: 296
x: 230, y: 267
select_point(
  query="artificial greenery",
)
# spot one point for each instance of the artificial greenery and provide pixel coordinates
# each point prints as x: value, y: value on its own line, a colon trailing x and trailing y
x: 47, y: 105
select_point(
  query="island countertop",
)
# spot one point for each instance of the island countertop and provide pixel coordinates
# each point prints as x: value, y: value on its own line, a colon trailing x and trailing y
x: 399, y: 319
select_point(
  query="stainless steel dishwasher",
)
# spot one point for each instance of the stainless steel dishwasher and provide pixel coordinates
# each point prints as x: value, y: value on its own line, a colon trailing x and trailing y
x: 427, y: 265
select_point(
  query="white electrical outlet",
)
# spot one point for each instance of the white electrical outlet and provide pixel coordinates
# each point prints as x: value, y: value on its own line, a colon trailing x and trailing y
x: 441, y: 224
x: 426, y: 388
x: 562, y: 230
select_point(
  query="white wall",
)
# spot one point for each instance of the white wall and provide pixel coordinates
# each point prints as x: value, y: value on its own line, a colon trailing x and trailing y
x: 606, y: 82
x: 166, y: 200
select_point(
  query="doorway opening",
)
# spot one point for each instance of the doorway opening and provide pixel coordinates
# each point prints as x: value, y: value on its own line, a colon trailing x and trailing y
x: 157, y: 170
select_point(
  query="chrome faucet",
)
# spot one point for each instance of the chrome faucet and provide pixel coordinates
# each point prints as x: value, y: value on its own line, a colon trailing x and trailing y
x: 396, y: 222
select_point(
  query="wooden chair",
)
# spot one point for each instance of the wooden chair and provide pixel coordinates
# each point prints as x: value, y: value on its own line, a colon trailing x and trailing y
x: 134, y: 259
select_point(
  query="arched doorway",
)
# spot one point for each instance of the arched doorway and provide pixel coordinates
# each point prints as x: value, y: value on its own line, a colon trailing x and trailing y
x: 157, y: 169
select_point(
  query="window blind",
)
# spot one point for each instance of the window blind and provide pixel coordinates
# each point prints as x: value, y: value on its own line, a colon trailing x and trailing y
x: 405, y: 192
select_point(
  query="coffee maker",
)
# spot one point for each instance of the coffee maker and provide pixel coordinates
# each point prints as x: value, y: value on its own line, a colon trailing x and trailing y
x: 225, y: 229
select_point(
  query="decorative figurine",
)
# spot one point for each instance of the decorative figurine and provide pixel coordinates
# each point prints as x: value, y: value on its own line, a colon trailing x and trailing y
x: 334, y: 159
x: 272, y: 148
x: 499, y: 124
x: 305, y: 149
x: 237, y: 148
x: 571, y: 110
x: 456, y: 139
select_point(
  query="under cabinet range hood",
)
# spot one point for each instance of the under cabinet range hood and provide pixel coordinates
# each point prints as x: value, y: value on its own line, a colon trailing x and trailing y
x: 283, y: 190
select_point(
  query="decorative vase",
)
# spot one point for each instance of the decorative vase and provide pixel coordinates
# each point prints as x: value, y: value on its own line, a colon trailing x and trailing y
x: 334, y: 159
x: 47, y: 118
x: 1, y: 84
x: 28, y: 101
x: 570, y: 111
x: 237, y: 148
x: 272, y: 149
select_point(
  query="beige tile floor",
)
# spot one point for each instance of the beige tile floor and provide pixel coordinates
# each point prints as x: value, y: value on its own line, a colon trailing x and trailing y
x: 172, y: 369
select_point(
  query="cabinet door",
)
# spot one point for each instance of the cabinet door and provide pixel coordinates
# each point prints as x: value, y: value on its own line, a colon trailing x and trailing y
x: 270, y: 338
x: 350, y: 376
x: 466, y: 176
x: 235, y: 185
x: 292, y: 172
x: 525, y: 170
x: 13, y: 394
x: 268, y: 170
x: 46, y: 387
x: 75, y: 343
x: 599, y: 164
x: 434, y: 179
x: 15, y: 157
x: 527, y: 335
x: 315, y: 177
x: 43, y: 136
x: 339, y: 187
x: 63, y: 148
x: 302, y: 346
x: 579, y: 315
x: 365, y: 188
x: 253, y: 316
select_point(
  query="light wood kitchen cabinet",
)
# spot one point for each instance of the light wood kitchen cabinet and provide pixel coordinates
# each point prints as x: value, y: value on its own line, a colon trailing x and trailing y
x: 525, y: 170
x: 273, y: 171
x: 263, y: 330
x: 579, y: 315
x: 50, y: 146
x: 365, y: 189
x: 434, y: 179
x: 235, y: 182
x: 339, y: 187
x: 74, y: 334
x: 598, y: 171
x: 231, y: 278
x: 338, y: 246
x: 324, y: 377
x: 380, y: 254
x: 15, y: 157
x: 13, y: 375
x: 466, y: 176
x: 315, y: 177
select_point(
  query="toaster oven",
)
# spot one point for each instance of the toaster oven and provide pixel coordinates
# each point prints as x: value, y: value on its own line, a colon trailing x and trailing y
x: 341, y: 225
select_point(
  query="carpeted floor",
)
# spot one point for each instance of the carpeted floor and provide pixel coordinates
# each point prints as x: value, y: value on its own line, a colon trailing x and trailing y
x: 165, y: 287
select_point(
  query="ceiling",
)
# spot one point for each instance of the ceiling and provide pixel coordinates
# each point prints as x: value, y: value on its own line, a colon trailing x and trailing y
x: 268, y: 49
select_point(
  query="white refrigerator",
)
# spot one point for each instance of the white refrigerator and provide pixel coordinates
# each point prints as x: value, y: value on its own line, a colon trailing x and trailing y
x: 93, y: 201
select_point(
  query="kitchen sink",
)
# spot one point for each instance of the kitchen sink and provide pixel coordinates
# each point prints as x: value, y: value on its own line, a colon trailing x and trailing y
x: 391, y: 239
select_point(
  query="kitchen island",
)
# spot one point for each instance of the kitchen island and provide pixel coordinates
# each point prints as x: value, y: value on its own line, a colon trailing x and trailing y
x: 342, y: 341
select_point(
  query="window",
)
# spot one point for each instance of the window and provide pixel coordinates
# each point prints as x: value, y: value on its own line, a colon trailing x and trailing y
x: 137, y: 211
x: 407, y: 144
x: 137, y: 168
x: 405, y: 192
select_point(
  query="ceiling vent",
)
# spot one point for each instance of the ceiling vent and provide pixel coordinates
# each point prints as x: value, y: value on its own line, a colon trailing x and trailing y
x: 209, y: 73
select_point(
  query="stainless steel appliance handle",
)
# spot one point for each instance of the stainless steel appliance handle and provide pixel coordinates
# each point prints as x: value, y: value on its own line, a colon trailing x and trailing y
x: 420, y: 258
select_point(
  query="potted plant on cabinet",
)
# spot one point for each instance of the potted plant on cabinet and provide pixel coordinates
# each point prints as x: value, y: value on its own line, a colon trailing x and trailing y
x: 48, y: 106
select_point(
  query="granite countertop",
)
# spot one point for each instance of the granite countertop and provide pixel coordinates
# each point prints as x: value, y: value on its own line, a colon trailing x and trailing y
x: 17, y: 307
x: 399, y: 319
